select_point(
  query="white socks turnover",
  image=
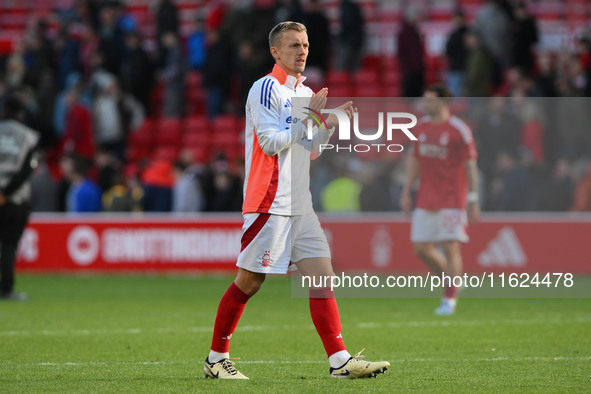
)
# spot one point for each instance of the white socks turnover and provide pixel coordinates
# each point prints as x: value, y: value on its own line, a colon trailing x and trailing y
x: 214, y: 357
x: 339, y: 359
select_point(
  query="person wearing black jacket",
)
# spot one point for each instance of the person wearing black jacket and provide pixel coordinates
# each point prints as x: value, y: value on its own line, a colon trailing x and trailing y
x: 318, y: 33
x: 217, y: 72
x: 457, y: 53
x: 17, y: 162
x: 167, y: 18
x: 525, y: 37
x: 137, y: 71
x: 351, y: 37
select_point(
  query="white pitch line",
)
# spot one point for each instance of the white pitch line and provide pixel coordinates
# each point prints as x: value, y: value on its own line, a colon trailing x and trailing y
x: 75, y: 332
x: 397, y: 361
x: 467, y: 323
x: 367, y: 325
x: 435, y: 360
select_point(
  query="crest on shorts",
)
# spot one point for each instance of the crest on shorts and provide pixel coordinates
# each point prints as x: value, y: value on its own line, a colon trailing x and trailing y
x: 451, y: 220
x: 266, y: 260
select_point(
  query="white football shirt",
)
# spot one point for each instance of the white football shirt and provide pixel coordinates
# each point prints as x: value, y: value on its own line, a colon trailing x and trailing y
x: 278, y: 153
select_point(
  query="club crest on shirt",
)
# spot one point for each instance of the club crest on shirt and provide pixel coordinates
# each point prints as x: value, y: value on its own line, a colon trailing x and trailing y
x: 444, y: 139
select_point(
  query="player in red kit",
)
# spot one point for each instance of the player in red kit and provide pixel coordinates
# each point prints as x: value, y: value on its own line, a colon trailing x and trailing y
x: 444, y: 159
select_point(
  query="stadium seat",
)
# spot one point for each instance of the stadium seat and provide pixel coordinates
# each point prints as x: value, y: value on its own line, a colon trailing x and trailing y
x: 14, y: 20
x: 197, y: 125
x: 241, y: 124
x: 168, y: 153
x: 144, y: 17
x: 366, y: 77
x: 345, y: 90
x: 391, y: 16
x: 226, y: 132
x: 369, y: 90
x: 434, y: 63
x: 390, y: 64
x: 224, y: 138
x: 140, y: 139
x: 548, y: 10
x: 143, y: 136
x: 576, y: 12
x: 337, y: 78
x: 196, y: 140
x: 371, y: 62
x: 432, y: 77
x: 225, y: 123
x: 200, y: 154
x: 391, y: 78
x: 169, y: 132
x: 169, y: 125
x: 136, y: 153
x: 441, y: 15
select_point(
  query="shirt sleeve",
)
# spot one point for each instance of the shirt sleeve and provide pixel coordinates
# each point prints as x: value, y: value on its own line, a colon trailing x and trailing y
x: 266, y: 113
x: 320, y: 137
x: 467, y: 150
x: 466, y: 145
x: 414, y: 145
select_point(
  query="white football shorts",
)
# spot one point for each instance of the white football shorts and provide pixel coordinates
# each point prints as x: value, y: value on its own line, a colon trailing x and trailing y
x: 272, y: 244
x: 439, y: 226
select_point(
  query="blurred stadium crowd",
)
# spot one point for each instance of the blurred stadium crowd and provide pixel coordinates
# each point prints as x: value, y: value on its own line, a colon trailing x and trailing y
x: 140, y: 103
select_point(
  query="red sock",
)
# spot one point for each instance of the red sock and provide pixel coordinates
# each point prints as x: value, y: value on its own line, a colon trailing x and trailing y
x: 450, y: 291
x: 325, y: 315
x: 229, y: 312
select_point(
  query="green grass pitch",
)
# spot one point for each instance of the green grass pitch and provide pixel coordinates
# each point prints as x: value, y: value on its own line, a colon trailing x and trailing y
x: 151, y: 334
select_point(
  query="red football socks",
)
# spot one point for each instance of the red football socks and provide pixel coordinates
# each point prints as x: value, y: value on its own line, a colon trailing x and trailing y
x: 325, y: 315
x: 229, y: 312
x: 450, y: 291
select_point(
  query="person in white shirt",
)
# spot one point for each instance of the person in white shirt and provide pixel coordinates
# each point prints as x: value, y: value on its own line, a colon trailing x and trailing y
x: 281, y: 229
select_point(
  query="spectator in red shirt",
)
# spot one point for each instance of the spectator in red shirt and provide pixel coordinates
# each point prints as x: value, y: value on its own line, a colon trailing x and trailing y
x: 532, y: 133
x: 78, y: 136
x: 158, y: 180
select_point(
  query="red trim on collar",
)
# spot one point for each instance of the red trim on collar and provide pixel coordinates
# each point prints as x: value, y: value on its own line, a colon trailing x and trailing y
x: 279, y: 74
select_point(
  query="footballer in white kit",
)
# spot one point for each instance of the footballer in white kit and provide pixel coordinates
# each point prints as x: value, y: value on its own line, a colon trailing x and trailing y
x: 280, y: 226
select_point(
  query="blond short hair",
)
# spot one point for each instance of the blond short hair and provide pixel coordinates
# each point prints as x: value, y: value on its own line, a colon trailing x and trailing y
x: 277, y: 31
